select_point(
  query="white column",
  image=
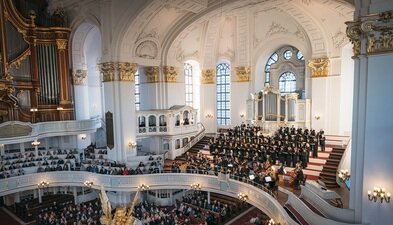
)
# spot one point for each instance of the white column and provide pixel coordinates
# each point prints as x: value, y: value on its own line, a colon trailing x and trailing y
x: 75, y: 193
x: 22, y: 148
x: 40, y: 195
x: 286, y: 109
x: 208, y: 197
x: 372, y: 121
x: 2, y: 151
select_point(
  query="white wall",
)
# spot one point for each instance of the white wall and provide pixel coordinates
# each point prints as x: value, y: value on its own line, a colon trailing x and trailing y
x: 346, y: 96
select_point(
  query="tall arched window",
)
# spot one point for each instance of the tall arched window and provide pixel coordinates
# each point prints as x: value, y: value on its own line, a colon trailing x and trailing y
x: 137, y: 92
x: 223, y: 94
x: 287, y: 83
x: 273, y: 59
x: 188, y: 83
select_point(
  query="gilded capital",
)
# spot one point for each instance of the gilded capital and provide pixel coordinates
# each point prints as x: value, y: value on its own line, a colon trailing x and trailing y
x: 170, y: 73
x: 127, y: 71
x: 79, y: 77
x: 376, y: 30
x: 61, y: 44
x: 208, y: 76
x: 152, y: 73
x: 319, y: 67
x: 243, y: 73
x: 108, y: 71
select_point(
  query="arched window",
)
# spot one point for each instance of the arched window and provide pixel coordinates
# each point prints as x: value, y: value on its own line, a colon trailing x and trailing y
x: 188, y: 83
x: 223, y: 94
x: 137, y: 92
x: 287, y: 83
x: 273, y: 59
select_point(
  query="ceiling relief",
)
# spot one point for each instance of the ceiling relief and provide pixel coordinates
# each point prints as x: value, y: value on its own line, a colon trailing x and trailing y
x: 147, y: 49
x: 339, y: 39
x: 276, y: 28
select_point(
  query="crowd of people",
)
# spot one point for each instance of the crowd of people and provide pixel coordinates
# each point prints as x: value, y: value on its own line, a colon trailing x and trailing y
x: 69, y: 213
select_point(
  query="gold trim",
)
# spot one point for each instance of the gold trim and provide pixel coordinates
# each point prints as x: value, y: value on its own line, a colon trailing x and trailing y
x: 108, y: 71
x: 61, y: 44
x: 79, y: 77
x: 126, y: 71
x: 151, y: 72
x: 208, y: 76
x: 18, y: 60
x: 319, y: 67
x: 170, y: 73
x: 243, y: 73
x: 375, y: 29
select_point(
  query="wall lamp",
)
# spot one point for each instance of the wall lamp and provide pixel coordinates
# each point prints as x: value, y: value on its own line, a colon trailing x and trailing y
x: 196, y: 186
x: 132, y: 144
x: 143, y: 187
x: 43, y: 184
x: 242, y: 196
x: 83, y: 137
x: 209, y: 116
x: 241, y: 115
x: 317, y: 117
x: 59, y: 108
x: 378, y: 194
x: 33, y: 110
x: 35, y: 143
x: 343, y: 175
x: 272, y: 222
x: 88, y: 183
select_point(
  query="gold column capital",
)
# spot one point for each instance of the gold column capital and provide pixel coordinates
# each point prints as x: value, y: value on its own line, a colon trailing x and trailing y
x: 170, y: 73
x: 319, y: 67
x: 61, y: 44
x: 107, y: 70
x: 79, y: 77
x: 152, y: 73
x: 243, y: 73
x: 126, y: 71
x: 208, y: 76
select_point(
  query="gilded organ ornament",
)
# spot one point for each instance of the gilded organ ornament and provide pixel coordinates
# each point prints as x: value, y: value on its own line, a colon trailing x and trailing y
x: 108, y: 71
x: 243, y: 73
x: 127, y: 71
x: 152, y: 73
x: 319, y: 67
x: 170, y: 73
x: 376, y: 30
x: 61, y: 44
x: 208, y: 76
x: 79, y: 77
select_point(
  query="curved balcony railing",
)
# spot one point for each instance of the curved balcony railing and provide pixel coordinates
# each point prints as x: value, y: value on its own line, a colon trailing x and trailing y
x: 19, y: 132
x: 219, y: 184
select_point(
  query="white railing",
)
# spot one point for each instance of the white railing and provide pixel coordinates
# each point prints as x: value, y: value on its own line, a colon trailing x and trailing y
x: 51, y: 129
x: 308, y: 214
x: 189, y: 145
x: 256, y: 196
x: 331, y: 212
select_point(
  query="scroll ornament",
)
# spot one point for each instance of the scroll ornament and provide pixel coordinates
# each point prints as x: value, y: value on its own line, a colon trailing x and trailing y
x: 375, y: 29
x: 208, y: 76
x: 319, y: 67
x: 79, y: 77
x: 152, y: 73
x: 243, y: 73
x: 170, y: 73
x: 127, y: 71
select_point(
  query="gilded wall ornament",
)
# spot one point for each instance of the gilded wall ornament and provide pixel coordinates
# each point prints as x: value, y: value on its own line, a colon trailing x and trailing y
x: 108, y: 71
x: 61, y: 44
x: 376, y: 30
x: 79, y: 77
x: 152, y: 73
x: 208, y: 76
x: 170, y: 73
x: 127, y: 71
x: 243, y: 73
x: 319, y: 67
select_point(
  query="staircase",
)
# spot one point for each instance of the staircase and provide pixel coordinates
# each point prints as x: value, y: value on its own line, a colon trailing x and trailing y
x: 329, y: 171
x: 181, y: 160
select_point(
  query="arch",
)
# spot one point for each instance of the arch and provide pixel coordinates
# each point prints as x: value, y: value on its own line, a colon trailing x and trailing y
x: 142, y: 121
x: 152, y: 121
x: 162, y: 120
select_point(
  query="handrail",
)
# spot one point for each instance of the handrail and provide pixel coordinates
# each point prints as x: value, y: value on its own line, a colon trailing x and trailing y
x: 308, y: 214
x: 339, y: 214
x: 218, y: 184
x: 197, y: 138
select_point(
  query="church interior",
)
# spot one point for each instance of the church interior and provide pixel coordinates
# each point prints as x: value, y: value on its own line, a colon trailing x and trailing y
x: 265, y: 112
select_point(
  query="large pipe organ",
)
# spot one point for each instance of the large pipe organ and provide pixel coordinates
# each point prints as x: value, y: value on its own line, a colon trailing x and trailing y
x: 269, y: 109
x: 35, y: 81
